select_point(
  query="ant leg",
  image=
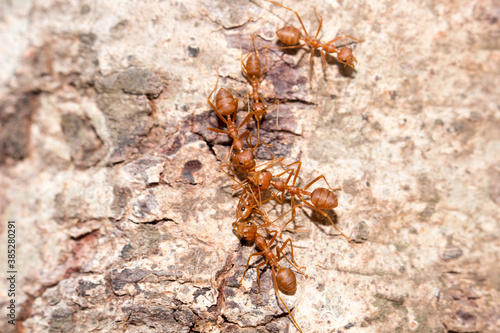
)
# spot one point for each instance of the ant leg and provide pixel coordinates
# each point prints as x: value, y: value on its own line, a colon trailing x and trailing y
x: 272, y: 162
x: 235, y: 111
x: 224, y: 120
x: 275, y: 234
x: 292, y: 171
x: 318, y: 178
x: 270, y: 198
x: 320, y: 23
x: 257, y: 54
x: 311, y: 66
x: 323, y: 58
x: 286, y: 183
x: 345, y: 36
x: 298, y: 46
x: 247, y: 136
x: 278, y: 117
x: 264, y: 70
x: 210, y: 102
x: 227, y: 173
x: 248, y: 263
x: 258, y: 126
x: 249, y: 115
x: 256, y: 200
x: 296, y: 170
x: 277, y: 294
x: 243, y: 68
x: 259, y: 192
x: 217, y: 130
x: 255, y: 47
x: 293, y: 163
x: 325, y: 215
x: 284, y: 172
x: 258, y: 278
x: 260, y: 141
x: 277, y: 198
x: 294, y: 214
x: 273, y: 196
x: 241, y: 185
x: 288, y: 211
x: 216, y: 83
x: 297, y: 14
x: 295, y: 265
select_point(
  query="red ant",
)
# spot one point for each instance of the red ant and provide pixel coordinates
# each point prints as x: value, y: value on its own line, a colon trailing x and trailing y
x: 253, y: 175
x: 321, y: 198
x: 225, y: 101
x: 227, y: 105
x: 249, y: 202
x: 244, y: 161
x: 250, y: 66
x: 261, y: 181
x: 291, y: 36
x: 283, y: 278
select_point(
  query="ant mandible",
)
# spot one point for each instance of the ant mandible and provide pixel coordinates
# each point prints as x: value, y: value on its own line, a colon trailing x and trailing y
x: 291, y: 36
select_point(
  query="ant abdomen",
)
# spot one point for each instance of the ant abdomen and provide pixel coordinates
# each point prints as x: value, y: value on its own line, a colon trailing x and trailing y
x: 288, y: 35
x: 323, y: 198
x: 253, y: 65
x: 225, y: 102
x: 286, y: 280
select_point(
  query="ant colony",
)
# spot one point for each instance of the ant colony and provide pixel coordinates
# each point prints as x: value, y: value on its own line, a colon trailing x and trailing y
x: 257, y: 183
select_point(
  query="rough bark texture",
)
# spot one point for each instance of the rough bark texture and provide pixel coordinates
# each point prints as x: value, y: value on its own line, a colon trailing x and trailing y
x: 124, y: 217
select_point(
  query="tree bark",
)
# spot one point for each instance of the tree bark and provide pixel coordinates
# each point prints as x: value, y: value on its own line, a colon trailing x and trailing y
x: 123, y: 216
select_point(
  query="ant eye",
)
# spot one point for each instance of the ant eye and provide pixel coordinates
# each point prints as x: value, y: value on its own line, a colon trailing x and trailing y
x: 241, y: 162
x: 249, y: 223
x: 344, y: 60
x: 243, y: 209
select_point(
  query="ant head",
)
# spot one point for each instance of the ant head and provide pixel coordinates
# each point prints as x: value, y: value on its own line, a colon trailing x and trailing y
x: 259, y: 110
x: 264, y: 180
x: 245, y: 230
x: 243, y: 210
x: 346, y: 57
x: 245, y: 159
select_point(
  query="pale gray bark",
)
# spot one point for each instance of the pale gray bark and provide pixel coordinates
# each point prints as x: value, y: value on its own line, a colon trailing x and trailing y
x: 124, y: 217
